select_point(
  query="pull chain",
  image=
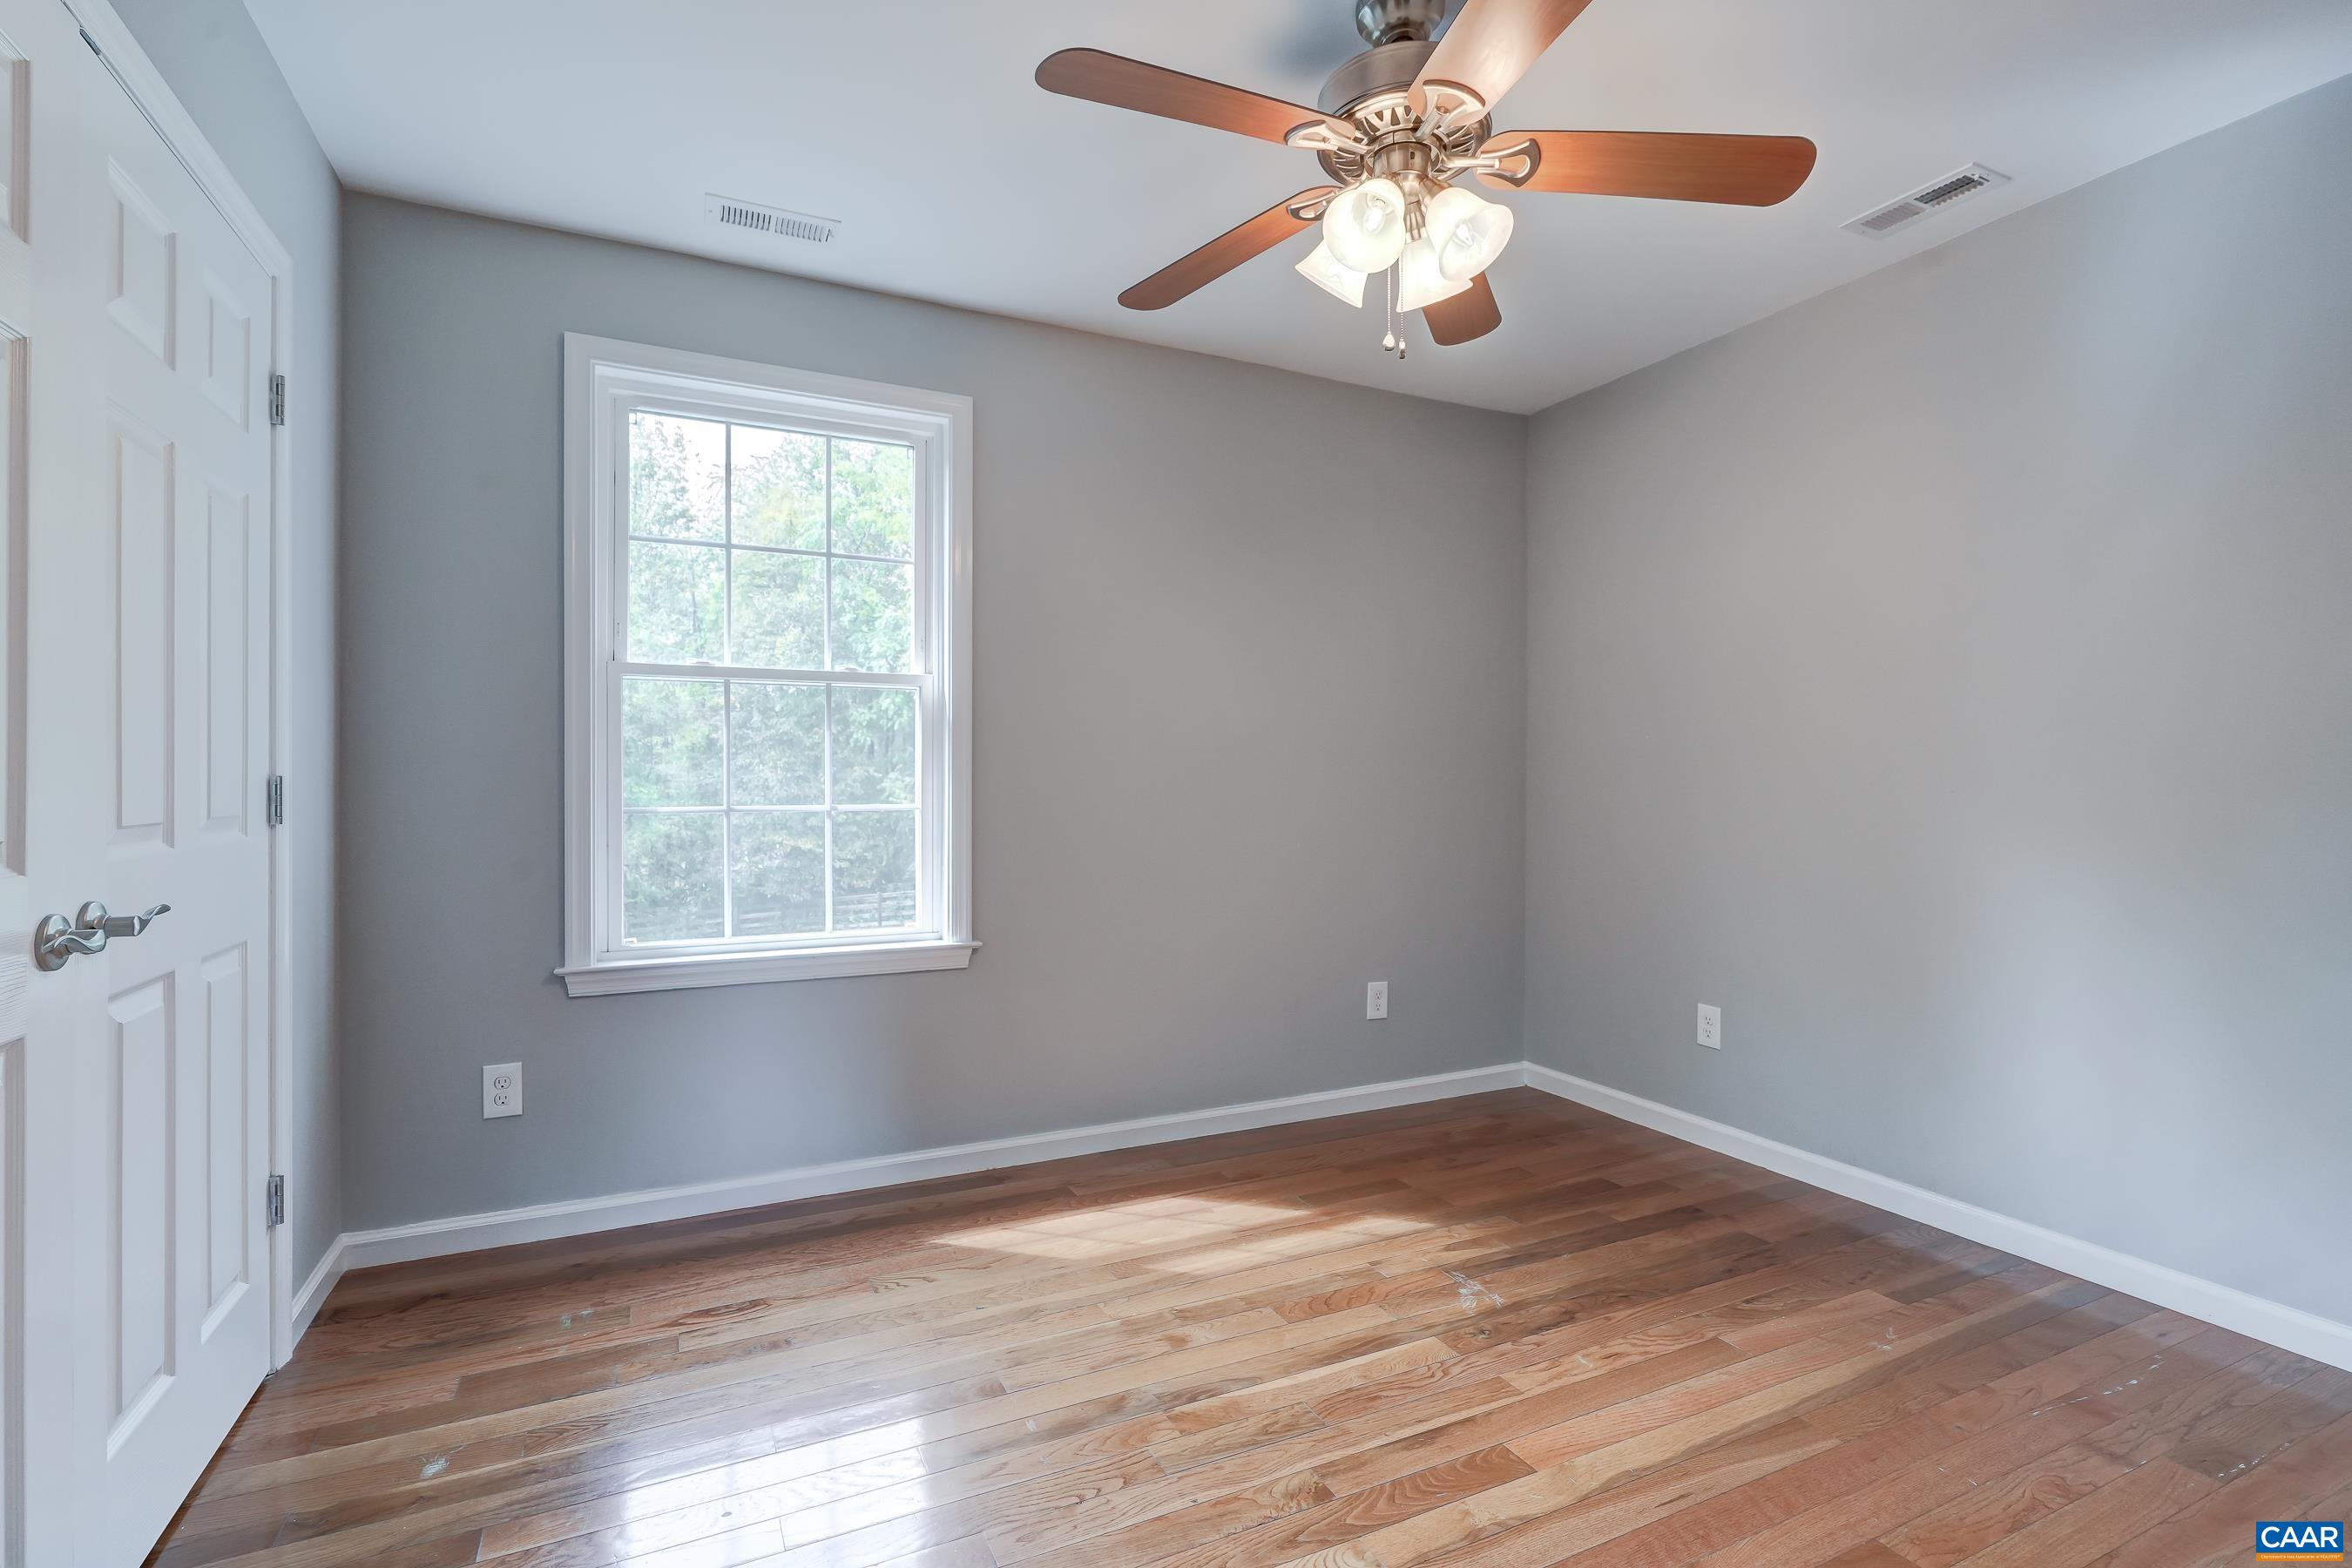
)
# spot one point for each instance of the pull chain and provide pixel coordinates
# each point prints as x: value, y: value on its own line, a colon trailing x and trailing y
x: 1394, y: 341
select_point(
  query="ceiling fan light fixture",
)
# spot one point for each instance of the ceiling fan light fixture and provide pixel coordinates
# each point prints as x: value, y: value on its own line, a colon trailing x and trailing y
x: 1364, y: 225
x: 1421, y: 279
x: 1323, y: 269
x: 1468, y: 231
x: 1395, y: 128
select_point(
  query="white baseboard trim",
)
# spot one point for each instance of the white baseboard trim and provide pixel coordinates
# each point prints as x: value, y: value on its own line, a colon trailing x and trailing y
x: 580, y: 1216
x: 2291, y: 1327
x: 313, y: 1293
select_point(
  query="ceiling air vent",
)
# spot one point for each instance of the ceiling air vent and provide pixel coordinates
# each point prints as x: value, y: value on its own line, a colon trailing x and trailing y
x: 1950, y: 190
x: 773, y: 222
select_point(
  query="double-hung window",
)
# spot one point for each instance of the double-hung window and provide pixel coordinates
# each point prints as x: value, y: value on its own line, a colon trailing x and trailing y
x: 768, y: 620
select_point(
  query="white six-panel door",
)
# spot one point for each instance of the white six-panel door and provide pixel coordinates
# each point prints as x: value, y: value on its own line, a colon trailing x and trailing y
x: 177, y: 1097
x: 134, y: 1086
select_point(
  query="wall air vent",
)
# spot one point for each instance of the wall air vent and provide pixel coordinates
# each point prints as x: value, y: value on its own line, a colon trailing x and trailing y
x: 775, y: 223
x: 1952, y: 189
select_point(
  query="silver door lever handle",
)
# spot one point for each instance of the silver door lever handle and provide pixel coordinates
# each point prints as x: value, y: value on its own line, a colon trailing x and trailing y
x: 57, y: 939
x: 93, y: 913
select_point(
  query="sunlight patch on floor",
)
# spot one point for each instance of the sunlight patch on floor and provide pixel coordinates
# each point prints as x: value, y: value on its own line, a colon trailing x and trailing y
x: 1200, y: 1235
x: 1099, y: 1231
x: 1266, y: 1249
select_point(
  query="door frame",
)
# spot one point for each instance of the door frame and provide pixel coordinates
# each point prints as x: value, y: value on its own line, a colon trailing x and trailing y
x: 137, y: 76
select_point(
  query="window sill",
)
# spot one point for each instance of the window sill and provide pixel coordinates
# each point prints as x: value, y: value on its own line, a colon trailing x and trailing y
x: 763, y: 968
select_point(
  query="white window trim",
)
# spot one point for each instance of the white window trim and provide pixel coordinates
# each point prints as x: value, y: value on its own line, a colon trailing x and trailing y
x: 597, y: 371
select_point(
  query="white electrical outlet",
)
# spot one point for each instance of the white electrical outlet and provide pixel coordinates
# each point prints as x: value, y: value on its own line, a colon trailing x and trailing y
x: 1376, y: 999
x: 1710, y: 1026
x: 502, y: 1091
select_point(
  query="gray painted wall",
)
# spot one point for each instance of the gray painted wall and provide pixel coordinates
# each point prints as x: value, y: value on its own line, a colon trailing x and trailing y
x: 1249, y: 695
x: 210, y: 53
x: 1951, y: 680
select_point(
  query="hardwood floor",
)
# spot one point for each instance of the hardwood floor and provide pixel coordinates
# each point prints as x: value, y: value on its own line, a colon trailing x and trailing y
x: 1497, y: 1329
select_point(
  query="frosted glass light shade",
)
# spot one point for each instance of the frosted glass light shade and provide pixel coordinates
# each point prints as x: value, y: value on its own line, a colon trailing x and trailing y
x: 1469, y: 233
x: 1323, y: 269
x: 1364, y: 225
x: 1420, y: 279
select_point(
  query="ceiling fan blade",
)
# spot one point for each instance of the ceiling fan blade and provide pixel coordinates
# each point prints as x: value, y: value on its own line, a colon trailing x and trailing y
x: 1746, y: 170
x: 1223, y: 254
x: 1124, y: 83
x: 1490, y: 44
x: 1458, y: 318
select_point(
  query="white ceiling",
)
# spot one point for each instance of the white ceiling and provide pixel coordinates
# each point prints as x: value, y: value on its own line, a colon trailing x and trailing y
x: 958, y: 179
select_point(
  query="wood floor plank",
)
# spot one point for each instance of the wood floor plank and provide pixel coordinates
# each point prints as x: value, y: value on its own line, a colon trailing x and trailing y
x: 1503, y: 1330
x: 1800, y: 1465
x: 2214, y: 1530
x: 1346, y: 1518
x: 2084, y: 1530
x: 1967, y: 1525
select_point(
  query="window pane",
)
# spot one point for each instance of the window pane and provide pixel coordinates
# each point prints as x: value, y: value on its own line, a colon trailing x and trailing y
x: 873, y: 616
x: 779, y: 488
x: 872, y: 745
x: 677, y: 477
x: 779, y: 873
x: 778, y: 610
x: 670, y: 742
x: 675, y: 616
x: 872, y: 869
x: 872, y: 499
x: 671, y: 887
x: 779, y: 744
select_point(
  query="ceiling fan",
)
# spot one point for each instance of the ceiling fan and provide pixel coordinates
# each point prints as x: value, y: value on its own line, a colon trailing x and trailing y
x: 1396, y: 128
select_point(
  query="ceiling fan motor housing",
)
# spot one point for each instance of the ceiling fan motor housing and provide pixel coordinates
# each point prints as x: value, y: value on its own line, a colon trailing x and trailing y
x: 1383, y: 67
x: 1371, y: 89
x: 1398, y: 21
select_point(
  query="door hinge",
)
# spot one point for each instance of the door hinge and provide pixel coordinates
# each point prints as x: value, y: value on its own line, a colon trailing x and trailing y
x: 274, y: 1202
x: 91, y: 42
x: 277, y: 400
x: 278, y: 800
